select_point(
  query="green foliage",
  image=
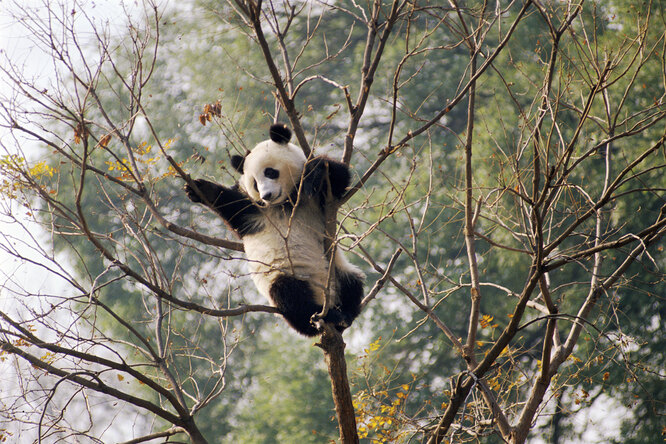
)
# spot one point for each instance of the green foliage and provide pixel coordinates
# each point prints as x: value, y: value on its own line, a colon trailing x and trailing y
x: 289, y: 399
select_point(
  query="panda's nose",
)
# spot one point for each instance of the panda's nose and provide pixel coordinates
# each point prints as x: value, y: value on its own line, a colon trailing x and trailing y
x: 267, y: 196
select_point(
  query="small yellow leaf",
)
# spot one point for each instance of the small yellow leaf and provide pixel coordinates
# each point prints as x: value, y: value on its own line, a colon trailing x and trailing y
x: 485, y: 320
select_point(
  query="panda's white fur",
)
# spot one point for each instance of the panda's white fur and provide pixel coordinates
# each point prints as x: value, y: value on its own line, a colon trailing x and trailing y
x: 292, y: 243
x: 278, y: 210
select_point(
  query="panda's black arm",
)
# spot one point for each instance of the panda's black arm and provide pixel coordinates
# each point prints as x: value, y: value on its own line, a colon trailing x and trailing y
x: 236, y: 208
x: 314, y: 177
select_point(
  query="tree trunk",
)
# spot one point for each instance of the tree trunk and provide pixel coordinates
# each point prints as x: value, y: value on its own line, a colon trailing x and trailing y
x: 334, y: 352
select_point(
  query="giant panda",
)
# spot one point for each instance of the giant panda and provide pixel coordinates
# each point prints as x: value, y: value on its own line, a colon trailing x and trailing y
x: 278, y: 209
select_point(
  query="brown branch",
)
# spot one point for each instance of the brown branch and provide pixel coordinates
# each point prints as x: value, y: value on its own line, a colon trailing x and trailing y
x: 369, y: 67
x: 523, y: 426
x: 475, y: 290
x: 253, y: 12
x: 382, y: 281
x: 152, y: 436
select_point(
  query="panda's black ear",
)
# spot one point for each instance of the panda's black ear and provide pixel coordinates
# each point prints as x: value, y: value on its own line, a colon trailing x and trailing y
x: 280, y: 133
x: 237, y: 162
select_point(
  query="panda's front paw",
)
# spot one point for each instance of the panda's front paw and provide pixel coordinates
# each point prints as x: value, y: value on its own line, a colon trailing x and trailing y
x: 191, y: 194
x: 204, y: 187
x: 322, y: 174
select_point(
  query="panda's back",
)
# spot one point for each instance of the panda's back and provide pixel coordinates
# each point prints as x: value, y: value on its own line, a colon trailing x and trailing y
x: 289, y: 242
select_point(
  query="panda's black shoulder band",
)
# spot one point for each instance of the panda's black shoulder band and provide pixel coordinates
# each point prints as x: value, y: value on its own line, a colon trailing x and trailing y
x: 280, y: 133
x: 238, y: 162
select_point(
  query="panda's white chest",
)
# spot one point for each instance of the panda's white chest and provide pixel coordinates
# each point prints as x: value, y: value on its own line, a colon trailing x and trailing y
x: 289, y: 243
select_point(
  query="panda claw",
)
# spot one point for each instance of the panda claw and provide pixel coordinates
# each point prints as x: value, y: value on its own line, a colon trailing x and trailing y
x: 191, y: 194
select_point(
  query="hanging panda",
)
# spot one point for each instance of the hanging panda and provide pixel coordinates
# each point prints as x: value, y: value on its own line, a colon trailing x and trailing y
x: 277, y: 208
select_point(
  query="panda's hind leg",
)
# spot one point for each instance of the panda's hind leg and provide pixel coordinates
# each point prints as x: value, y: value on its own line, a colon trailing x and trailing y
x: 295, y: 300
x: 350, y: 294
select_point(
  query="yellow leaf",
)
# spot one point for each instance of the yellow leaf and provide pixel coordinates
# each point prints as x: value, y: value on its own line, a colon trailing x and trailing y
x: 40, y: 170
x: 485, y: 320
x: 120, y: 377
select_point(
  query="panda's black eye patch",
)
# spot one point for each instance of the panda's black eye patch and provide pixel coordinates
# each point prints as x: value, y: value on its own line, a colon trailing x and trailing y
x: 271, y: 173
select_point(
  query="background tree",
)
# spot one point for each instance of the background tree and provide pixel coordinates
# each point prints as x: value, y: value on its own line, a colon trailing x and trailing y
x: 508, y: 209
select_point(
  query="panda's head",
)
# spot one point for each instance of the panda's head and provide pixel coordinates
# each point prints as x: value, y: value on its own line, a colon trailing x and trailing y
x: 272, y: 170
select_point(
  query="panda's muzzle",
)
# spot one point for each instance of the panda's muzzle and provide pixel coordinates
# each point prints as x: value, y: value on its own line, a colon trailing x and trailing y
x: 270, y: 197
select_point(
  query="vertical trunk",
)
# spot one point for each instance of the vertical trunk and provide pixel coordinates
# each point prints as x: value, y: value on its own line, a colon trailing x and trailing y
x: 334, y: 352
x: 193, y: 431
